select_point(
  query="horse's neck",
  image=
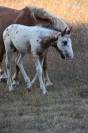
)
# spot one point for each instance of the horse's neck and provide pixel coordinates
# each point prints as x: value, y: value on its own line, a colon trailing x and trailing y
x: 49, y: 19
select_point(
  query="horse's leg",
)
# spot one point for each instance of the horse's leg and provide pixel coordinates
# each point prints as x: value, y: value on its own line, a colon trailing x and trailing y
x: 45, y: 72
x: 19, y: 62
x: 3, y: 76
x: 39, y: 71
x: 16, y: 74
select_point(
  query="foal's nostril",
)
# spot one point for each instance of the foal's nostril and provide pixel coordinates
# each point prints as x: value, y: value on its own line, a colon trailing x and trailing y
x: 65, y: 43
x: 68, y: 56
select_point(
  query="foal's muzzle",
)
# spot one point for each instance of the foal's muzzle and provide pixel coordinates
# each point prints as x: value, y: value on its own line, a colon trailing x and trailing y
x: 60, y: 52
x: 68, y: 56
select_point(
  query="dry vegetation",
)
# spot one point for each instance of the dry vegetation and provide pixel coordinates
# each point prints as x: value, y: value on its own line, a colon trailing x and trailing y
x: 65, y: 108
x: 74, y: 11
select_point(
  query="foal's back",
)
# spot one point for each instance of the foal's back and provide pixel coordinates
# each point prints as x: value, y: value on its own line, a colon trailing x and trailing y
x: 22, y: 36
x: 21, y: 32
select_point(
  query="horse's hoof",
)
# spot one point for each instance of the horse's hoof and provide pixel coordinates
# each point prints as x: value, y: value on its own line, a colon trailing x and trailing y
x: 3, y: 77
x: 3, y: 80
x: 29, y: 90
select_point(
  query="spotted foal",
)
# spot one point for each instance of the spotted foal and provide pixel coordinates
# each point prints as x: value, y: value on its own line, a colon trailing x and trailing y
x: 37, y: 40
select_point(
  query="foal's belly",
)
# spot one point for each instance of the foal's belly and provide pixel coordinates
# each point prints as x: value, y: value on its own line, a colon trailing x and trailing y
x: 22, y: 45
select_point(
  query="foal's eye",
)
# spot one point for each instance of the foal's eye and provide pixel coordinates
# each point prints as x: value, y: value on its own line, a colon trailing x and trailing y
x: 64, y: 43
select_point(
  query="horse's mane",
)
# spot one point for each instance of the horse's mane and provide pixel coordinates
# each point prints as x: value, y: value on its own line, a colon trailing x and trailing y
x: 44, y: 16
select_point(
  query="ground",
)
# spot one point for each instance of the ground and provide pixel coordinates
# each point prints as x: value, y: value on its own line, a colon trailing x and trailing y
x: 65, y: 108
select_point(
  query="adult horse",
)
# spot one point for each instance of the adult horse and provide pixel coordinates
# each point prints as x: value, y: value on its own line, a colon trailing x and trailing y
x: 28, y: 16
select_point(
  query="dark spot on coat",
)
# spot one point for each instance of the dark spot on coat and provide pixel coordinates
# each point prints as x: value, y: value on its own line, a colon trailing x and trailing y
x: 7, y: 29
x: 17, y: 32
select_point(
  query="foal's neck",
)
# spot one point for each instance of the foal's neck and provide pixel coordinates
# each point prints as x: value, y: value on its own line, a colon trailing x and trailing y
x: 47, y: 41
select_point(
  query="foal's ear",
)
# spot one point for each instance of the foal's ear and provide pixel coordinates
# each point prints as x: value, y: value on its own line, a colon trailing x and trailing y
x: 69, y: 31
x: 63, y: 32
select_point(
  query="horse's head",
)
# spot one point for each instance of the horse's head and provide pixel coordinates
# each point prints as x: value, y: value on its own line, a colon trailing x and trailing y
x: 64, y: 44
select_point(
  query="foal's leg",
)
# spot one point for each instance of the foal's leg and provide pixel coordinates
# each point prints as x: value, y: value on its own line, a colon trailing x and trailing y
x: 39, y: 70
x: 45, y: 72
x: 19, y: 62
x: 8, y: 68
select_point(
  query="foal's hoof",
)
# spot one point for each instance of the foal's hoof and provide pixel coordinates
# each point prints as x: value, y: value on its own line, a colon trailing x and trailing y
x: 29, y: 87
x: 48, y: 83
x: 45, y: 92
x: 11, y: 88
x: 15, y: 83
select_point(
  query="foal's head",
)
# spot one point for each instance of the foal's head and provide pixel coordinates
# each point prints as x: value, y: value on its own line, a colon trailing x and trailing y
x: 64, y: 44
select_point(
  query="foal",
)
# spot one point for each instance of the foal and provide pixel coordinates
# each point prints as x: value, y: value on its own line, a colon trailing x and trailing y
x: 34, y: 39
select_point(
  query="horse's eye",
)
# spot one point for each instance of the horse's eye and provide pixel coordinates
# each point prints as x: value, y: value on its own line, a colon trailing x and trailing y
x: 64, y: 43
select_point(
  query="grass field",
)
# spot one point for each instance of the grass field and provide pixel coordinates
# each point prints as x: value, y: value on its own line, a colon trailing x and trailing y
x: 65, y: 108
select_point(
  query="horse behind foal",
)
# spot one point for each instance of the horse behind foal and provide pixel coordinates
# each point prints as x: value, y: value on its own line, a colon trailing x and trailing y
x: 37, y: 40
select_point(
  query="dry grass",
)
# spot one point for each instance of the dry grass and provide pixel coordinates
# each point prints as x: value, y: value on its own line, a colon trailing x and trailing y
x: 74, y: 11
x: 65, y: 108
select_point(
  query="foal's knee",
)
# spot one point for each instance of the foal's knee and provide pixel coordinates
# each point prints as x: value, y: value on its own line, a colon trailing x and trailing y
x: 7, y: 65
x: 39, y: 70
